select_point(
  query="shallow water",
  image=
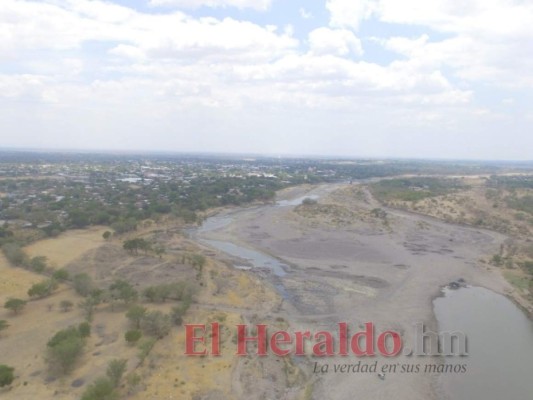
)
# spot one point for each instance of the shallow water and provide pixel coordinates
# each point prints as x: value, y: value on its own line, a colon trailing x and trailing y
x: 256, y: 258
x: 500, y: 345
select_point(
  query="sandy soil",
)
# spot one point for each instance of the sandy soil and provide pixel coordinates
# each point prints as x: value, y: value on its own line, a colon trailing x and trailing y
x: 347, y: 264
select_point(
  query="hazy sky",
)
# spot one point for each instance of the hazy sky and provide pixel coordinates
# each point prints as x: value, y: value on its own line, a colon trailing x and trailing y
x: 409, y: 78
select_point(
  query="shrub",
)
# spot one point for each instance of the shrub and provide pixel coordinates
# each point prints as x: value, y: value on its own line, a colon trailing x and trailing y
x: 83, y: 284
x: 64, y: 349
x: 178, y: 312
x: 135, y: 315
x: 145, y: 347
x: 115, y: 370
x: 101, y: 389
x: 15, y: 254
x: 309, y: 202
x: 122, y: 290
x: 132, y: 336
x: 88, y: 306
x: 60, y: 275
x: 84, y: 329
x: 38, y: 263
x: 155, y: 323
x: 15, y: 305
x: 6, y: 375
x: 42, y: 289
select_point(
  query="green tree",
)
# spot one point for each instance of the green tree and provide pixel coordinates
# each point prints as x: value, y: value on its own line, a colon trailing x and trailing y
x: 115, y: 370
x: 135, y: 314
x: 132, y: 336
x: 15, y: 254
x: 83, y: 284
x: 101, y: 389
x: 144, y: 245
x: 15, y: 305
x: 122, y: 290
x: 78, y: 219
x: 64, y: 349
x: 131, y: 246
x: 145, y: 347
x: 157, y: 324
x: 42, y: 289
x: 151, y: 294
x: 6, y: 375
x: 60, y: 275
x: 87, y: 307
x: 106, y: 235
x: 38, y: 263
x: 178, y: 312
x: 84, y: 329
x: 159, y: 251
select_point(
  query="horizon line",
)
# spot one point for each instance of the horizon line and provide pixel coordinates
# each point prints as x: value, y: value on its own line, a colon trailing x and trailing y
x: 96, y: 151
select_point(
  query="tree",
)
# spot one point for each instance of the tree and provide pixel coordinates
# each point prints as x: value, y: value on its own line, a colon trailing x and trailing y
x: 144, y: 245
x: 132, y: 336
x: 101, y: 389
x: 6, y: 375
x: 79, y: 219
x: 497, y: 260
x: 122, y: 290
x: 66, y: 305
x: 60, y: 275
x: 15, y: 305
x: 84, y: 329
x: 159, y: 251
x: 38, y: 263
x: 135, y: 315
x: 155, y: 323
x: 88, y: 306
x: 83, y: 284
x: 64, y: 349
x: 42, y: 289
x: 15, y: 254
x: 177, y: 291
x: 106, y: 235
x: 145, y: 347
x: 131, y: 246
x: 150, y: 293
x: 178, y: 312
x: 115, y: 370
x: 198, y: 260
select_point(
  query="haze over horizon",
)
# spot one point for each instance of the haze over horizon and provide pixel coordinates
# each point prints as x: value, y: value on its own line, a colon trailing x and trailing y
x: 361, y: 78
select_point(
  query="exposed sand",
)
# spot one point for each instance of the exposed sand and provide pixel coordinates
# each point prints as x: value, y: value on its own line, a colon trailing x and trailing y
x: 385, y: 270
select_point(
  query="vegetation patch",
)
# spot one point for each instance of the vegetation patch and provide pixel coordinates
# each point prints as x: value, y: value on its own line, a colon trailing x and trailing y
x: 414, y: 189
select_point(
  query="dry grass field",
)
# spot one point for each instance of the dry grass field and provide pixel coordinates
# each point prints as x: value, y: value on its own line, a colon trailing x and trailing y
x: 224, y: 294
x: 68, y: 246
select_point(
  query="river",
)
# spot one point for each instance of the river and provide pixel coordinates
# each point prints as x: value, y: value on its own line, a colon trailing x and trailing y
x: 500, y: 345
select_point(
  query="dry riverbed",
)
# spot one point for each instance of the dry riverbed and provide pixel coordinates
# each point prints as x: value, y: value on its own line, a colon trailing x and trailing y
x: 349, y: 259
